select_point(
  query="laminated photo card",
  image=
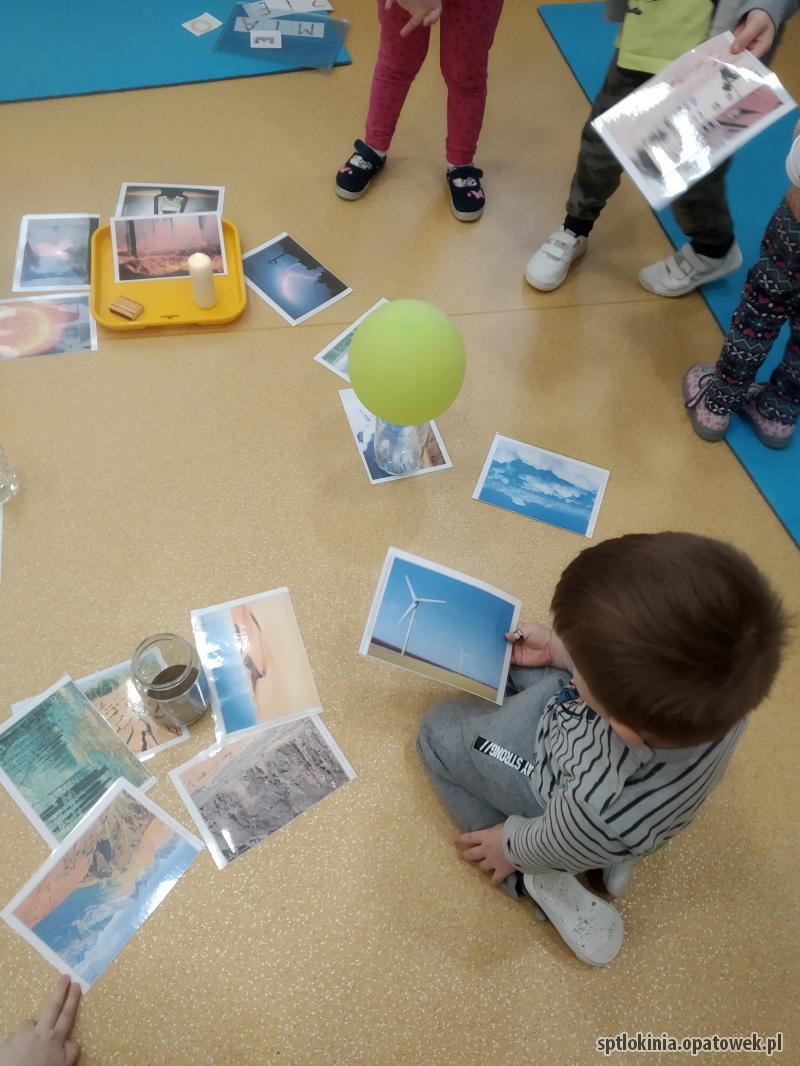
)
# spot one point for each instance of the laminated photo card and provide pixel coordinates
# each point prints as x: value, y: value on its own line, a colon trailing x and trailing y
x: 441, y: 624
x: 102, y: 883
x: 157, y: 247
x: 46, y: 325
x: 54, y: 252
x: 290, y: 279
x: 58, y: 757
x: 255, y: 660
x: 543, y: 485
x: 362, y: 426
x: 139, y: 722
x: 335, y: 355
x: 243, y: 789
x: 682, y: 123
x: 144, y: 199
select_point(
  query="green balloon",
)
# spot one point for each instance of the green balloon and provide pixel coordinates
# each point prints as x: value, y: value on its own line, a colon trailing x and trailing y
x: 406, y: 362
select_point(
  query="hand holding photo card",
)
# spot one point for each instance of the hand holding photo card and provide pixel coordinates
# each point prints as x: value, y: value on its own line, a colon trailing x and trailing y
x: 101, y: 884
x: 60, y: 324
x: 362, y: 425
x: 158, y: 247
x: 253, y: 655
x: 243, y: 789
x: 441, y: 624
x: 58, y: 757
x: 54, y: 252
x: 543, y: 485
x: 290, y: 279
x: 139, y: 722
x: 141, y: 199
x: 334, y: 355
x: 682, y: 123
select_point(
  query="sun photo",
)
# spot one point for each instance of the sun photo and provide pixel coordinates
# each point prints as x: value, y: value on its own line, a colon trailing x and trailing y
x: 441, y: 624
x: 46, y: 325
x: 256, y: 663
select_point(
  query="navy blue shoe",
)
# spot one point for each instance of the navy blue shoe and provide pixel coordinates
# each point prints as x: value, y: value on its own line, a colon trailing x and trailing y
x: 352, y: 180
x: 467, y: 199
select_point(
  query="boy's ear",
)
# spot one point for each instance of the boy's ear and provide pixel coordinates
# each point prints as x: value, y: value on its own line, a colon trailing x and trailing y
x: 626, y: 733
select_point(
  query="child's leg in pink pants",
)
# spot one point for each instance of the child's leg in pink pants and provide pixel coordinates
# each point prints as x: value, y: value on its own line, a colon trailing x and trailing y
x: 399, y: 60
x: 467, y: 32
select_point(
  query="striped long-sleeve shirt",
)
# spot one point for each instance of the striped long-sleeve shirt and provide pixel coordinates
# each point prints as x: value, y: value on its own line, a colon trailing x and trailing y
x: 604, y: 801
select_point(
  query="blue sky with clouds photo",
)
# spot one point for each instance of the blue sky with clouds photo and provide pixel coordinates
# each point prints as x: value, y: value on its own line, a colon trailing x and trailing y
x: 543, y: 485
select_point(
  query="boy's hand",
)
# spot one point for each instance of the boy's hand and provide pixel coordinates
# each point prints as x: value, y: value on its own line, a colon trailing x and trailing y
x: 485, y: 847
x: 46, y: 1042
x: 755, y: 32
x: 422, y: 12
x: 534, y: 648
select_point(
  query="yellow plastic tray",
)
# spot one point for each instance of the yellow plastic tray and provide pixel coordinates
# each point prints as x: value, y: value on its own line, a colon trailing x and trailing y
x: 168, y: 302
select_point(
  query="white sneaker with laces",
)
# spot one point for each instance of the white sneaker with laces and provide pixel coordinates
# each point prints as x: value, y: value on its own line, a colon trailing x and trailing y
x: 685, y: 270
x: 548, y: 266
x: 588, y: 925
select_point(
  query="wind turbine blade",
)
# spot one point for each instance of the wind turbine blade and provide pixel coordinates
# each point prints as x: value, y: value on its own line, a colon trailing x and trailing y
x: 410, y: 588
x: 413, y: 610
x: 405, y: 613
x: 422, y: 600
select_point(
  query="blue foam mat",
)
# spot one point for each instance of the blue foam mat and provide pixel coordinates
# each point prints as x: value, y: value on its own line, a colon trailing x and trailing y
x: 756, y: 182
x: 98, y: 46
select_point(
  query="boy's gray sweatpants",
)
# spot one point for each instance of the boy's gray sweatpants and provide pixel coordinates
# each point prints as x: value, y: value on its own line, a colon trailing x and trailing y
x: 479, y: 757
x: 702, y: 212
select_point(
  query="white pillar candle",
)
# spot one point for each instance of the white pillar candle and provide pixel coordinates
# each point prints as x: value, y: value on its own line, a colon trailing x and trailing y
x: 202, y: 280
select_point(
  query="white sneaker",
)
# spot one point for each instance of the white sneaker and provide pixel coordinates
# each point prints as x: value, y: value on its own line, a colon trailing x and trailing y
x: 683, y: 271
x: 548, y: 266
x: 617, y: 878
x: 588, y: 925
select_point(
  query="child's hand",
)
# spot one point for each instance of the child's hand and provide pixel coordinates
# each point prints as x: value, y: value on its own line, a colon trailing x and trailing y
x: 46, y: 1042
x: 755, y: 32
x: 485, y: 847
x: 422, y: 12
x: 533, y: 648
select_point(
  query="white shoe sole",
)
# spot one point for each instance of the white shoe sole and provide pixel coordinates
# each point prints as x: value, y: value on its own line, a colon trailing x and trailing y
x: 713, y: 276
x: 345, y: 194
x: 466, y: 216
x: 588, y: 925
x: 549, y: 286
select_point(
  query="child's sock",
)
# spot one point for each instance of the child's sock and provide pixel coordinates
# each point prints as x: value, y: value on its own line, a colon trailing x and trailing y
x: 713, y: 251
x: 579, y: 227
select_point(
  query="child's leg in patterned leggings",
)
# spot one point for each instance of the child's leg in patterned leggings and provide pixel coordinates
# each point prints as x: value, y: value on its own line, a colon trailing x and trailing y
x: 467, y: 33
x: 780, y: 400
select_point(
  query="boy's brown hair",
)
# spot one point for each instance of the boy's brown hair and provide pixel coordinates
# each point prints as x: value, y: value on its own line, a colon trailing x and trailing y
x: 677, y: 636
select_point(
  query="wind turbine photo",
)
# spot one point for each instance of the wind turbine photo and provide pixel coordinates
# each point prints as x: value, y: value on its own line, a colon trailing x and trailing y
x: 458, y: 625
x: 412, y: 610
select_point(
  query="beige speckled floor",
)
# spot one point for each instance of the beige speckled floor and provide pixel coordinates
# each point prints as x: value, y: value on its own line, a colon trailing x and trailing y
x: 166, y: 473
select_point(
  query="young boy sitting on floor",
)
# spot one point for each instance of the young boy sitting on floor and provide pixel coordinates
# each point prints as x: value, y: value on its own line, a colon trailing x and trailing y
x: 622, y: 720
